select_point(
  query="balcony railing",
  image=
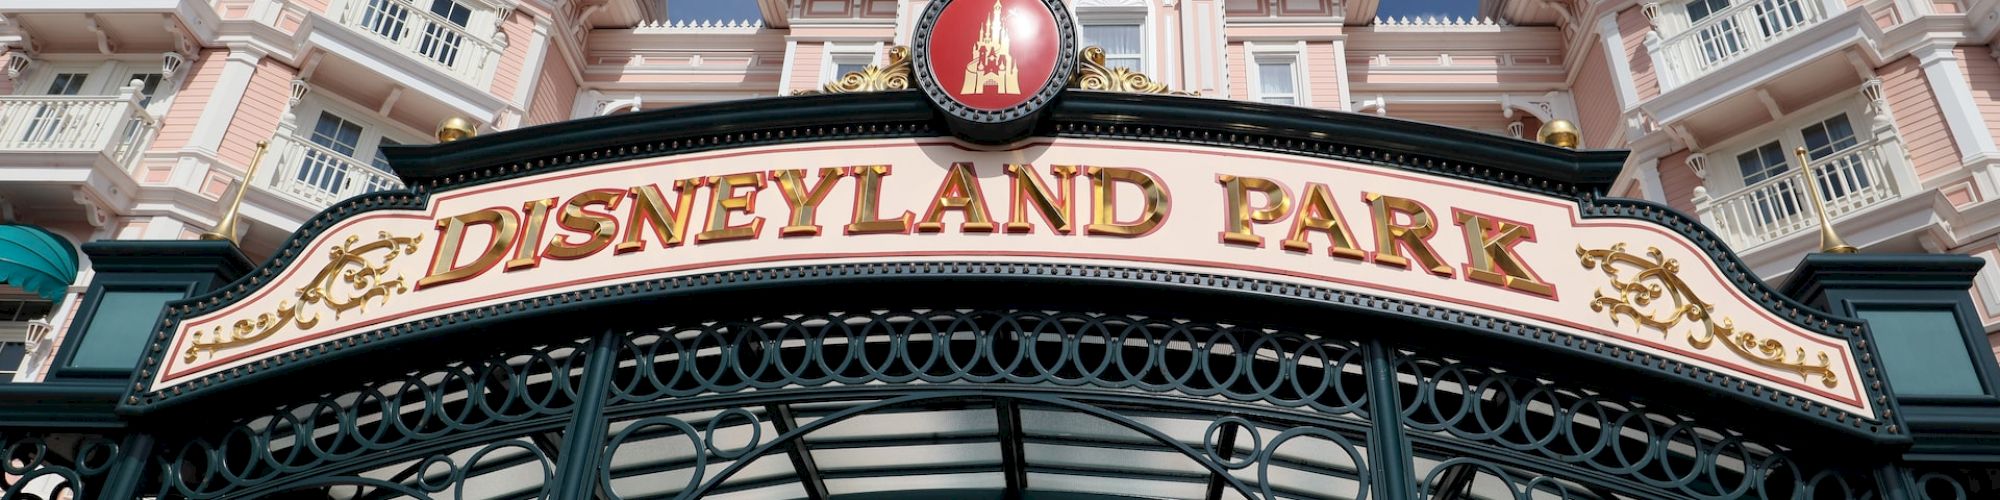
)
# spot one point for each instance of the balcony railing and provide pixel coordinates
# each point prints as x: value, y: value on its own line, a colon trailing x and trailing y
x: 1849, y: 181
x: 426, y: 36
x: 319, y: 176
x: 1733, y: 32
x: 114, y: 126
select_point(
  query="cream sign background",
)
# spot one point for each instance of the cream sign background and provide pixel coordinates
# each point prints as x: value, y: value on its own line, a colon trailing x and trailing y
x: 362, y: 274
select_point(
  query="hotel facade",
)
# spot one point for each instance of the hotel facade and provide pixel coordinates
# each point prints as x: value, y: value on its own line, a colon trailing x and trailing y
x: 1741, y: 134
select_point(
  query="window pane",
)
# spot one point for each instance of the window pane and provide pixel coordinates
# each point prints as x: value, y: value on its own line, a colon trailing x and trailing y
x: 118, y: 330
x: 67, y: 84
x: 381, y: 162
x: 1924, y: 352
x: 10, y: 359
x: 1115, y: 39
x: 336, y: 134
x: 1278, y: 100
x: 448, y: 9
x: 1765, y: 162
x: 35, y: 309
x: 1275, y: 77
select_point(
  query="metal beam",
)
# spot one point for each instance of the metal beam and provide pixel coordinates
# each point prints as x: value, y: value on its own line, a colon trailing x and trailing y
x: 802, y: 460
x: 1013, y: 452
x: 1225, y: 449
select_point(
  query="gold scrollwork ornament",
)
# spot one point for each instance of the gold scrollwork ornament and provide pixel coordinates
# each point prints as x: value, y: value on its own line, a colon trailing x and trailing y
x: 1094, y: 74
x: 893, y: 74
x: 349, y: 281
x: 1659, y: 277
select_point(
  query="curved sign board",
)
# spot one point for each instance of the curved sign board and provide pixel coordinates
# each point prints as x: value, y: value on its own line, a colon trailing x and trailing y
x: 1294, y: 220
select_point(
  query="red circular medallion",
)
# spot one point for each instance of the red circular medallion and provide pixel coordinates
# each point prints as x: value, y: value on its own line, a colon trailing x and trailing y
x: 994, y: 54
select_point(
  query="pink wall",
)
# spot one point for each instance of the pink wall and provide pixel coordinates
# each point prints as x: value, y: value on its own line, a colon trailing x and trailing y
x: 805, y: 66
x: 1322, y: 76
x: 1238, y: 66
x: 520, y: 31
x: 1919, y: 121
x: 1677, y: 182
x: 1632, y: 29
x: 6, y: 84
x: 1596, y: 99
x: 179, y: 123
x: 1983, y: 74
x: 555, y: 91
x: 257, y: 115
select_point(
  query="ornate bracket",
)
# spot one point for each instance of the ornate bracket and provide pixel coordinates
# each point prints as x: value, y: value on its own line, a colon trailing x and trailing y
x: 350, y: 281
x: 1659, y: 277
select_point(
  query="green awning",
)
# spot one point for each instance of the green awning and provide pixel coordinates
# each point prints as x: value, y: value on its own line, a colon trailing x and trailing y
x: 37, y: 261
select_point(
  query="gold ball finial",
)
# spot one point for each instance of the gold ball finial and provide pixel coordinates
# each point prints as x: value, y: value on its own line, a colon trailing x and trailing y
x: 1560, y: 133
x: 456, y: 128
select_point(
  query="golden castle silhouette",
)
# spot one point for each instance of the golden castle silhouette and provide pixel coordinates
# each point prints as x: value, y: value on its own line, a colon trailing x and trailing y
x: 992, y: 60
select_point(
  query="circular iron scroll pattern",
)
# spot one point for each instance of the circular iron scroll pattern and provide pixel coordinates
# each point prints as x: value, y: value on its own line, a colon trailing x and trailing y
x: 1235, y: 406
x: 44, y: 466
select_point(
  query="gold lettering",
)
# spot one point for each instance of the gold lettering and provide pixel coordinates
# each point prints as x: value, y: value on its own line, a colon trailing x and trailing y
x: 724, y: 199
x: 451, y: 231
x: 804, y: 202
x: 868, y: 204
x: 649, y: 208
x: 960, y: 192
x: 1317, y: 212
x: 1236, y: 227
x: 527, y: 253
x: 1058, y: 210
x: 597, y: 227
x: 1104, y: 212
x: 1490, y: 244
x: 1392, y: 238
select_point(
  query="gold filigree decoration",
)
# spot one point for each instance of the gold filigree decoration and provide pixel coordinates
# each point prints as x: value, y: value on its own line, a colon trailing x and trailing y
x: 895, y: 75
x: 1093, y: 74
x: 1637, y: 299
x: 350, y: 281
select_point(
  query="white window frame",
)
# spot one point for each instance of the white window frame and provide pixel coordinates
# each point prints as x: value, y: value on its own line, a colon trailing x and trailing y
x: 1256, y: 54
x: 835, y: 54
x: 1787, y: 132
x: 374, y: 126
x: 1086, y: 12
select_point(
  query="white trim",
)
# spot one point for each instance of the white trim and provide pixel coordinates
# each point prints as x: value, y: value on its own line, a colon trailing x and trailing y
x: 791, y: 59
x: 1954, y: 97
x: 832, y: 54
x: 220, y: 110
x: 1340, y: 73
x: 531, y: 69
x: 1621, y: 68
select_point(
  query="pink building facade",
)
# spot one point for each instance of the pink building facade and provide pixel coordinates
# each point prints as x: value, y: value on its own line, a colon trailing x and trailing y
x: 138, y: 119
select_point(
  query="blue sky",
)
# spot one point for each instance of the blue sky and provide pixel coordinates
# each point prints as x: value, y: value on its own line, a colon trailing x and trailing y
x: 719, y: 10
x: 711, y: 10
x: 1440, y: 8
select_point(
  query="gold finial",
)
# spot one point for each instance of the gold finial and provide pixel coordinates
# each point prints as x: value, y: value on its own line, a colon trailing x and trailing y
x: 1560, y: 133
x: 225, y: 229
x: 1829, y: 241
x: 456, y: 128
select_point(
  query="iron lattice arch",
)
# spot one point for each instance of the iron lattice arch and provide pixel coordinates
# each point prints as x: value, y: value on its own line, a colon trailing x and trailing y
x: 972, y: 403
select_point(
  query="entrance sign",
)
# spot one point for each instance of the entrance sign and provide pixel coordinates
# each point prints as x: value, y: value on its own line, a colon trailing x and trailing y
x: 1152, y: 207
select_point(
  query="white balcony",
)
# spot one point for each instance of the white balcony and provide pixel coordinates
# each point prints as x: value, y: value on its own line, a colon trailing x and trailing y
x: 431, y: 39
x: 317, y: 176
x: 82, y: 129
x: 1849, y: 181
x: 1730, y: 34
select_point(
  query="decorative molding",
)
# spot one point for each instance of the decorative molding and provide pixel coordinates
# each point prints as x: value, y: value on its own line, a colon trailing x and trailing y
x: 1659, y: 277
x: 360, y: 280
x: 1434, y: 23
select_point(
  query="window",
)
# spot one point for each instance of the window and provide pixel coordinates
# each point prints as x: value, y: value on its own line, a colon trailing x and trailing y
x: 1123, y: 44
x: 1715, y: 32
x: 1275, y: 79
x: 843, y: 59
x: 386, y: 18
x: 1780, y: 200
x: 67, y: 83
x: 325, y: 166
x: 1830, y: 144
x: 48, y: 123
x: 444, y: 35
x: 149, y: 84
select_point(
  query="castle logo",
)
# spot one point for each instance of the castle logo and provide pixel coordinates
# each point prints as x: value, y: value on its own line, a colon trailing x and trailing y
x: 992, y: 62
